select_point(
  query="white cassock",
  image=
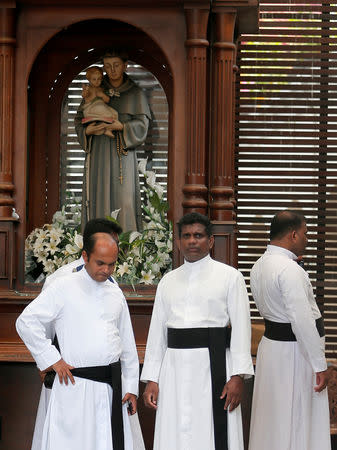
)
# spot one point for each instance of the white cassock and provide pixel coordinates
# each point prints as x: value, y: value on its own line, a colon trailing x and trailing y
x: 50, y: 333
x: 93, y: 327
x: 45, y: 393
x: 62, y: 271
x: 287, y: 414
x: 205, y: 293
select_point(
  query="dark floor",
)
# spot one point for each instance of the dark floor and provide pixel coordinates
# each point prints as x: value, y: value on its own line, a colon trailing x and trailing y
x: 20, y: 387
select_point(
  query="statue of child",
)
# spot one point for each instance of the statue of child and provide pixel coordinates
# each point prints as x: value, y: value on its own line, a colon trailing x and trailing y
x: 95, y: 106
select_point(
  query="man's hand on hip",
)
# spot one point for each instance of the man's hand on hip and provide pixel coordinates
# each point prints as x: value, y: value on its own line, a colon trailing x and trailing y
x: 322, y: 379
x: 150, y: 395
x: 233, y: 392
x: 63, y: 371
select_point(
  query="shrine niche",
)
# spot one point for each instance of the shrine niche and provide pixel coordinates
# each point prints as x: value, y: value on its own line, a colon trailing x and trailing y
x: 57, y: 158
x: 86, y: 49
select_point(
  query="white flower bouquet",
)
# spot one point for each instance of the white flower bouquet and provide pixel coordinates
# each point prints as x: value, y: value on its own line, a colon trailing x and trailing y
x: 146, y: 256
x: 53, y: 245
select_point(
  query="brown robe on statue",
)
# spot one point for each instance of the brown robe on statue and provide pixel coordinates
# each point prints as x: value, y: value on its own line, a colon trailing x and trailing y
x: 103, y: 190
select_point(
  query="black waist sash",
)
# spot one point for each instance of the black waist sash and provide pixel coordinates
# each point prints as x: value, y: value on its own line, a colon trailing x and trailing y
x: 216, y: 340
x: 110, y: 374
x: 278, y: 331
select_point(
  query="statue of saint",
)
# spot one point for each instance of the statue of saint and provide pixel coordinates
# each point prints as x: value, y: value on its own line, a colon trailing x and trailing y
x: 111, y: 172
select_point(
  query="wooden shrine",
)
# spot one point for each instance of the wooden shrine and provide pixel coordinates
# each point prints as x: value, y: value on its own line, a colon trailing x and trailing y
x: 189, y: 46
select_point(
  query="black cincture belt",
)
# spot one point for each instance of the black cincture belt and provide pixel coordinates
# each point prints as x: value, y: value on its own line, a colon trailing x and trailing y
x: 216, y: 340
x: 278, y: 331
x: 110, y: 374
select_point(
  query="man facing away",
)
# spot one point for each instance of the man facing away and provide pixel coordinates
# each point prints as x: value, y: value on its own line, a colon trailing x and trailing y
x: 192, y: 379
x: 99, y: 225
x: 96, y: 343
x: 290, y: 404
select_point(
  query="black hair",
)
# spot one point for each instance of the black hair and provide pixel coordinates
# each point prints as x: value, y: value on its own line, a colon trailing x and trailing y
x: 194, y: 217
x: 284, y: 222
x: 116, y: 53
x: 89, y: 244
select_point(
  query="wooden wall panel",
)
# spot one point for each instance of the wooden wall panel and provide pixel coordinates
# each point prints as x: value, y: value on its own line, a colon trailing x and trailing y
x: 7, y: 253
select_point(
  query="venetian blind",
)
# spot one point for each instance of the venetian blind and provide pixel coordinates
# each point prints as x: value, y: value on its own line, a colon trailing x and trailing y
x: 155, y: 147
x: 286, y: 138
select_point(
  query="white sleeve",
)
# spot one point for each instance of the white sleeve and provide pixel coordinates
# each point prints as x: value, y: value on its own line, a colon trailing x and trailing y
x: 32, y: 327
x: 293, y: 285
x: 129, y: 355
x: 156, y: 345
x: 239, y: 314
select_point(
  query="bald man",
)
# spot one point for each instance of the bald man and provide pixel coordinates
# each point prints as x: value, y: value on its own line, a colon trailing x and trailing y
x: 97, y: 347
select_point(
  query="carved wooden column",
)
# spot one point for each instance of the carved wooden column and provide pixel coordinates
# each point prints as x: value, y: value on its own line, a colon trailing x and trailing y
x: 222, y: 133
x: 195, y: 189
x: 7, y: 43
x: 7, y: 223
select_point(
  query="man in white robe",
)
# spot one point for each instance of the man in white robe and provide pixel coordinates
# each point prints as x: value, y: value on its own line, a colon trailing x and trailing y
x: 290, y: 408
x: 93, y: 327
x: 99, y: 225
x: 200, y: 294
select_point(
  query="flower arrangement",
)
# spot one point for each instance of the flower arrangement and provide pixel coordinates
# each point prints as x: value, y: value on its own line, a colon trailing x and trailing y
x: 53, y: 245
x: 144, y: 256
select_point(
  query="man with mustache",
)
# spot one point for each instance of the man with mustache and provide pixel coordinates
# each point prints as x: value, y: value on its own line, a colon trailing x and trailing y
x: 194, y: 364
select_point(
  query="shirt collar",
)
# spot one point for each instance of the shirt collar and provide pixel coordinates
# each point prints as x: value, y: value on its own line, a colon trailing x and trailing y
x: 91, y: 281
x: 281, y: 250
x: 197, y: 264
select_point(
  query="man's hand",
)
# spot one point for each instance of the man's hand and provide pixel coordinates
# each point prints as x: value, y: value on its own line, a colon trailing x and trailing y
x: 233, y: 392
x: 150, y: 395
x: 322, y: 379
x: 42, y: 374
x: 132, y: 400
x: 63, y: 371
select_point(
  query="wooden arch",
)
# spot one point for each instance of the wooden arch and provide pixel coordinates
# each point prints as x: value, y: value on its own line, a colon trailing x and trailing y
x: 57, y: 64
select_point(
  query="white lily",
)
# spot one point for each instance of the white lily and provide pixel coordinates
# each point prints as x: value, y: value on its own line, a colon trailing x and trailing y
x: 159, y: 189
x: 142, y: 166
x: 124, y: 268
x: 133, y: 236
x: 71, y: 249
x: 114, y: 214
x: 49, y: 266
x: 78, y: 239
x: 151, y: 178
x: 147, y: 277
x: 52, y: 247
